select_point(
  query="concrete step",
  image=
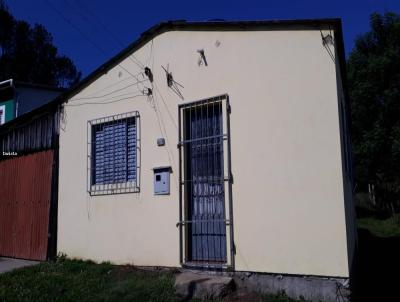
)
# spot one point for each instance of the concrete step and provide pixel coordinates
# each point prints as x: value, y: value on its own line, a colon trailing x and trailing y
x: 202, y: 285
x: 9, y: 264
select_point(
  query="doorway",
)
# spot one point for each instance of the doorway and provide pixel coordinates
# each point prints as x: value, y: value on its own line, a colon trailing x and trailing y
x: 205, y: 181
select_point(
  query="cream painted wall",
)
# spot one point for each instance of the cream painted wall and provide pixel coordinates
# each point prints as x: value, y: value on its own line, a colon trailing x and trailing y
x: 288, y: 202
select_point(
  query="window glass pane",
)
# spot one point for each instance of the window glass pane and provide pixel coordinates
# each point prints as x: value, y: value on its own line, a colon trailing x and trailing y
x: 114, y: 152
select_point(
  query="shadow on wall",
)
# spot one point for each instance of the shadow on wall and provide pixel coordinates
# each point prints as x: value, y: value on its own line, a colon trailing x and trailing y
x: 377, y: 276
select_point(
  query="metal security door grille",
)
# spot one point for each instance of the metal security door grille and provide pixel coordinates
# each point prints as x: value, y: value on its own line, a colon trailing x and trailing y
x: 203, y: 181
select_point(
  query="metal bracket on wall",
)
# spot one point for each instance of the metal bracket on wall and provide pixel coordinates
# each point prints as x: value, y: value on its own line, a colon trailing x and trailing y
x: 171, y: 83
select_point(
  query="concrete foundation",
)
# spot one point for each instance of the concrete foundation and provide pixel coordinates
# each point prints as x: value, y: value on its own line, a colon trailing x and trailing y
x: 203, y: 286
x: 308, y: 288
x: 296, y: 287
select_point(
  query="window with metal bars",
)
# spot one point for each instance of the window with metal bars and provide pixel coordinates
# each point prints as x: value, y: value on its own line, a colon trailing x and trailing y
x: 113, y: 150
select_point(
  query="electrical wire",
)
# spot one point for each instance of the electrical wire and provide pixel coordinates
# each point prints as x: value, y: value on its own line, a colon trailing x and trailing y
x: 162, y: 125
x: 131, y: 57
x: 84, y: 35
x: 153, y: 96
x: 151, y: 54
x: 73, y: 25
x: 101, y: 23
x: 107, y: 94
x: 116, y: 83
x: 172, y: 84
x: 330, y: 52
x: 102, y: 103
x: 117, y: 96
x: 155, y: 107
x: 165, y: 104
x: 326, y: 46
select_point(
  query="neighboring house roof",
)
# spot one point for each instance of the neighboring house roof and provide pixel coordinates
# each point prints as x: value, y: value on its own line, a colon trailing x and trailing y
x: 38, y: 86
x: 182, y: 25
x: 6, y: 84
x: 11, y: 83
x: 31, y: 96
x: 28, y: 96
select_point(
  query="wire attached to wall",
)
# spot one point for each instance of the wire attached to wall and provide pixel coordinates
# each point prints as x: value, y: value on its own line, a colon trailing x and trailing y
x: 116, y: 83
x: 171, y: 83
x: 161, y: 124
x: 103, y: 103
x: 166, y: 107
x: 160, y: 121
x: 101, y: 24
x: 107, y: 94
x: 326, y: 41
x: 87, y: 38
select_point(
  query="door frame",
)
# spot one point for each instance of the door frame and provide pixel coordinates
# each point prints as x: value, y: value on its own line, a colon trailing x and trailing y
x: 228, y: 180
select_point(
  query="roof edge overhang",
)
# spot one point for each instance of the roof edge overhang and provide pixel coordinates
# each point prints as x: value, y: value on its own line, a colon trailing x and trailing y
x: 39, y: 86
x: 6, y: 84
x: 182, y: 25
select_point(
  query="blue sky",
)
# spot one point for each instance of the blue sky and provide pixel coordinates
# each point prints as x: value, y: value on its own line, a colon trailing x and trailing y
x: 126, y: 19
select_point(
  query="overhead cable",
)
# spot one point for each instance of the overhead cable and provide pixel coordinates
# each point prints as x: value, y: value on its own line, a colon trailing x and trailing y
x: 101, y: 23
x: 107, y: 94
x: 84, y: 35
x: 102, y: 103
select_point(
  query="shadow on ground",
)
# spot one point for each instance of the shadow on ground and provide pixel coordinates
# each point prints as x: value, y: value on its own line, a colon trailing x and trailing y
x: 377, y: 275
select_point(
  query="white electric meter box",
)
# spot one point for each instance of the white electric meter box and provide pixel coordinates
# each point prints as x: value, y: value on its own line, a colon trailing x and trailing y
x: 161, y: 180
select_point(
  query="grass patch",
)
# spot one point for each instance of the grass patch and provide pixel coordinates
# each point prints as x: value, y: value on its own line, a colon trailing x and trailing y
x: 72, y: 280
x: 389, y: 227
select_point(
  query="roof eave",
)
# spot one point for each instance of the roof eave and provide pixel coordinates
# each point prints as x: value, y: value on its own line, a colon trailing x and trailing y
x: 178, y: 25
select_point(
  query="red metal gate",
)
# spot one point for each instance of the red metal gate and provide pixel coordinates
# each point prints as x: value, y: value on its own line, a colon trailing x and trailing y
x: 25, y: 193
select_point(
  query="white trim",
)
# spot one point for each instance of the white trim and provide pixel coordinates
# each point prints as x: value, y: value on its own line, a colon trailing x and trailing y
x: 3, y: 115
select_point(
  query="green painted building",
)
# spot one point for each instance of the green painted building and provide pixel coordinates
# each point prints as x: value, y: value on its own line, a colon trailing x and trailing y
x: 7, y: 102
x: 8, y: 110
x: 18, y: 98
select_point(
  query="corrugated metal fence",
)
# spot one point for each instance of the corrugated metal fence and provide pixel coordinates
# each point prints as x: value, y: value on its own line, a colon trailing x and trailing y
x: 25, y: 193
x: 36, y: 134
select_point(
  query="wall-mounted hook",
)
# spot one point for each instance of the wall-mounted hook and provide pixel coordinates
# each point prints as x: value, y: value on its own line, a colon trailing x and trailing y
x: 202, y: 57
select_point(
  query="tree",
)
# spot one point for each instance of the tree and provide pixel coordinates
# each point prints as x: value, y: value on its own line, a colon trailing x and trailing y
x: 374, y: 88
x: 27, y: 54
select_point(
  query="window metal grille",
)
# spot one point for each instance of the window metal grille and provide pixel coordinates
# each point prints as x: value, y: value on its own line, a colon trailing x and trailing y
x: 114, y: 154
x: 206, y: 221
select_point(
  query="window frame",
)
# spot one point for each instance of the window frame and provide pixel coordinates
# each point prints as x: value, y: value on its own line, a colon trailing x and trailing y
x: 3, y: 115
x: 116, y: 187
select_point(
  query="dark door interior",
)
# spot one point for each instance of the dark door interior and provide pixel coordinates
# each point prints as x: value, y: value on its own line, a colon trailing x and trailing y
x: 204, y: 179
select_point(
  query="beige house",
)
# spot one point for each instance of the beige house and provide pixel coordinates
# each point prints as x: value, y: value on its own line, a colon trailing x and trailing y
x: 219, y: 145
